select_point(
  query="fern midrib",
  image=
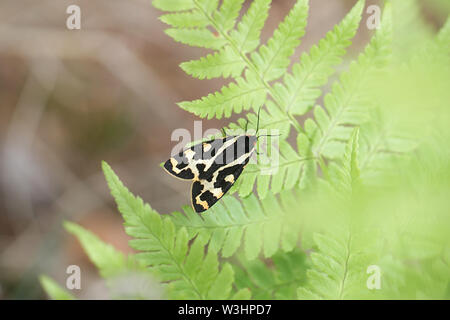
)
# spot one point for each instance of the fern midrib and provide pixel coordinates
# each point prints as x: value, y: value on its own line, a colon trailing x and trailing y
x: 220, y: 64
x: 302, y: 84
x: 269, y: 65
x: 246, y: 36
x: 249, y: 64
x: 342, y: 283
x: 373, y: 149
x: 269, y: 124
x: 238, y: 96
x: 334, y: 120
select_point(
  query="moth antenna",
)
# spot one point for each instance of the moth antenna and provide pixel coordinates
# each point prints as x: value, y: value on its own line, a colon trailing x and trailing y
x: 257, y: 123
x: 246, y: 126
x: 224, y: 133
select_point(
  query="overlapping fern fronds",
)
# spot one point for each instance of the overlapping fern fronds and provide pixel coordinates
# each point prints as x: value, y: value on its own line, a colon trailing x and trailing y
x: 260, y: 226
x: 187, y: 271
x: 255, y: 69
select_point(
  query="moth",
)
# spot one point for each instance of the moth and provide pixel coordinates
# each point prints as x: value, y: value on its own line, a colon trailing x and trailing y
x: 213, y: 166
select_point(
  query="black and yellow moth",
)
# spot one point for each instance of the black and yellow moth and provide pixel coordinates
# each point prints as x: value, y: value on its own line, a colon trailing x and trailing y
x: 214, y: 166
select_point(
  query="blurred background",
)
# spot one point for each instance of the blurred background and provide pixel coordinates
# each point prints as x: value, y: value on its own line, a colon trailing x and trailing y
x: 71, y: 98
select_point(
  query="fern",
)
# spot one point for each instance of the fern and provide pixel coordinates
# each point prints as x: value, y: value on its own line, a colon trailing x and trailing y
x: 186, y: 270
x: 309, y: 225
x: 381, y: 144
x: 346, y: 105
x: 251, y: 88
x: 279, y: 281
x: 346, y: 176
x: 272, y: 60
x: 107, y: 259
x: 224, y: 63
x: 242, y: 95
x: 291, y: 170
x: 302, y: 88
x: 264, y: 226
x: 54, y: 291
x: 338, y: 267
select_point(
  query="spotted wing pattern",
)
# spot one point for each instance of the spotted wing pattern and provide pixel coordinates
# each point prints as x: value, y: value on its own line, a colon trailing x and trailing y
x: 184, y: 165
x: 213, y: 165
x: 205, y: 193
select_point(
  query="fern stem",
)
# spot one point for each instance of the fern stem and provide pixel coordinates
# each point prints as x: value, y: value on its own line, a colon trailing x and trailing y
x: 342, y: 284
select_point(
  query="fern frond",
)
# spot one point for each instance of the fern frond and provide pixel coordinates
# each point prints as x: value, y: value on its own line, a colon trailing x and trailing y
x: 228, y: 13
x: 346, y: 176
x: 224, y: 63
x: 173, y: 5
x: 190, y: 19
x: 380, y: 145
x: 202, y: 38
x: 279, y: 281
x: 247, y: 34
x: 261, y: 225
x: 346, y: 105
x: 187, y: 271
x: 338, y: 269
x: 109, y: 261
x: 273, y: 120
x: 409, y: 29
x: 302, y: 88
x: 54, y: 290
x: 242, y: 95
x: 272, y: 59
x: 284, y: 174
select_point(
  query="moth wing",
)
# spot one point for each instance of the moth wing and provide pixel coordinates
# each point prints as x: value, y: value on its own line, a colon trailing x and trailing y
x: 206, y: 192
x: 180, y: 167
x: 184, y: 164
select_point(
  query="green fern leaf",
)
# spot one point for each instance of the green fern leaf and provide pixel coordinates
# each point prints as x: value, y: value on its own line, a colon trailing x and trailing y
x: 262, y: 226
x: 196, y: 37
x: 272, y: 59
x: 273, y: 120
x: 106, y: 258
x: 186, y: 270
x: 345, y: 177
x: 338, y: 268
x: 381, y: 144
x: 225, y: 63
x: 228, y: 13
x: 173, y: 5
x: 347, y: 105
x: 54, y: 290
x: 284, y: 174
x: 189, y: 19
x: 301, y: 89
x: 242, y: 95
x: 277, y: 282
x: 243, y: 294
x: 247, y: 34
x: 207, y: 6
